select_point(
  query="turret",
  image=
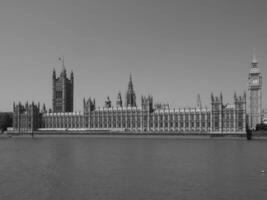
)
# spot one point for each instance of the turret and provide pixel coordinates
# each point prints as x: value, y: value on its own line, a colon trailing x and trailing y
x: 217, y: 112
x: 235, y: 97
x: 83, y: 102
x: 108, y: 103
x: 119, y: 100
x: 71, y: 76
x: 89, y: 105
x: 199, y: 104
x: 212, y: 97
x: 54, y: 74
x: 151, y: 103
x: 147, y: 103
x: 26, y: 105
x: 44, y: 109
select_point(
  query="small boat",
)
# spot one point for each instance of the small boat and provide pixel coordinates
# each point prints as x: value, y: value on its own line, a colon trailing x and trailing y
x: 262, y: 171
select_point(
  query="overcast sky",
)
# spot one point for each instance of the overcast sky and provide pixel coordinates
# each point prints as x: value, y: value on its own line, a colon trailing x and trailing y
x: 174, y: 49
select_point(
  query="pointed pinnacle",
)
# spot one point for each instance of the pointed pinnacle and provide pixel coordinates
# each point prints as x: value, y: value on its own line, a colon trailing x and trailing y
x: 254, y: 59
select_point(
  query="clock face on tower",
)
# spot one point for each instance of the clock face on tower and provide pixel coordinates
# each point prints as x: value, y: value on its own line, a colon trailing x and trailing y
x: 255, y: 81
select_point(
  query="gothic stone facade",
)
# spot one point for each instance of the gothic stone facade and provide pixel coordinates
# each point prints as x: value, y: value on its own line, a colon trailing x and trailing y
x: 26, y: 118
x: 221, y: 118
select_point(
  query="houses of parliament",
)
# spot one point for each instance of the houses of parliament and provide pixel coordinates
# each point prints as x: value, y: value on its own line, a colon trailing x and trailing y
x: 125, y: 115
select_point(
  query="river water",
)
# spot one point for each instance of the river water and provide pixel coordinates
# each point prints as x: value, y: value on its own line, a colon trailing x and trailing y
x: 114, y: 168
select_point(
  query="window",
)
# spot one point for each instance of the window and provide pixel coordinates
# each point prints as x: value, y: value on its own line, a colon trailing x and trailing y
x: 58, y: 94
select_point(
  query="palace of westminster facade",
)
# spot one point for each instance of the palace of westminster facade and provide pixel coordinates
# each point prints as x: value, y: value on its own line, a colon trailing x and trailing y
x: 149, y: 117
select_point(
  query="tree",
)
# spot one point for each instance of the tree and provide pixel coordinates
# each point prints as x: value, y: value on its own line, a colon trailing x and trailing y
x: 5, y: 121
x: 261, y: 127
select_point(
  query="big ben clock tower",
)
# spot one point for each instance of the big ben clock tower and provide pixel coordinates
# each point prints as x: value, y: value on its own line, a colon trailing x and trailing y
x: 255, y: 94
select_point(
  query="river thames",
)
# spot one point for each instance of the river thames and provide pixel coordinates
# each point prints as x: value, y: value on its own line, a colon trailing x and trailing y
x: 114, y: 168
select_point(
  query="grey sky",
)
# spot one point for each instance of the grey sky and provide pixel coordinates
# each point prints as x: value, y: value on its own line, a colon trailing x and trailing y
x: 174, y: 49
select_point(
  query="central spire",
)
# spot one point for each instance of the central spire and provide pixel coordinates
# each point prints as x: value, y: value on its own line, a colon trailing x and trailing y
x: 130, y: 96
x: 130, y: 85
x: 254, y: 59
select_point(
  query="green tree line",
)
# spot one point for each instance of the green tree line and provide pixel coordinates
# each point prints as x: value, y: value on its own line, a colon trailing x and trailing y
x: 5, y: 121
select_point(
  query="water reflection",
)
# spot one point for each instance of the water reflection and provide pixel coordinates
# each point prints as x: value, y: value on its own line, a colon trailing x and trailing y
x: 132, y: 168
